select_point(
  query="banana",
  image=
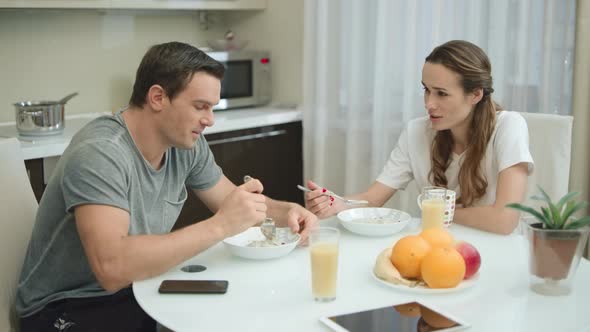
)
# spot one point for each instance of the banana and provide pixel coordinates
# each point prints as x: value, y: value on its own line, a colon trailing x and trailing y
x: 385, y: 270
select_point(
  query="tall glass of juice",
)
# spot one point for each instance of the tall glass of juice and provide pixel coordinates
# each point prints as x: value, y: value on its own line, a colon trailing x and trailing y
x: 432, y: 203
x: 323, y: 247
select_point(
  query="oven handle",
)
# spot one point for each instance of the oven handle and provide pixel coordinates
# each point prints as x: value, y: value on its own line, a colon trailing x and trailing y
x: 248, y: 137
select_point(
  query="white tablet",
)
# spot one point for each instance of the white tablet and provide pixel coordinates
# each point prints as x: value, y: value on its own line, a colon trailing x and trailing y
x: 405, y: 317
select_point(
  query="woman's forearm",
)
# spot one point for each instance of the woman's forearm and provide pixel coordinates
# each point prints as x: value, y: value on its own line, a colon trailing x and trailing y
x: 499, y: 220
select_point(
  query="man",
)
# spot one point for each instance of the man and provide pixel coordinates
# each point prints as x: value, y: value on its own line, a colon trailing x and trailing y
x: 106, y: 215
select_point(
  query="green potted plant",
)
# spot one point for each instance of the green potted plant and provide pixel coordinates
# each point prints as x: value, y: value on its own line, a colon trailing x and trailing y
x: 556, y: 241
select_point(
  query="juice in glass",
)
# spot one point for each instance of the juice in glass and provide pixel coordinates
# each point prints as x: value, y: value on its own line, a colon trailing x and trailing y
x: 433, y: 213
x: 324, y: 267
x: 324, y: 263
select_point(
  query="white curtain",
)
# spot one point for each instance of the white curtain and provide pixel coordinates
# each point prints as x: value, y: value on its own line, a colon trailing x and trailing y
x: 363, y: 63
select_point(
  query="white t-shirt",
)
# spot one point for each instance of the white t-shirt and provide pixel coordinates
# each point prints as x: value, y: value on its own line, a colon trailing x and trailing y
x: 410, y: 160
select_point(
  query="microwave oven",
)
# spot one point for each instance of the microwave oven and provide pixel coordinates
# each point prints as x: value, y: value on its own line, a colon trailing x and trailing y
x: 246, y: 82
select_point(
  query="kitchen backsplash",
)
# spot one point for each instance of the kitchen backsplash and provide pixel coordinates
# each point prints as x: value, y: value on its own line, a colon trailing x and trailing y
x: 47, y: 54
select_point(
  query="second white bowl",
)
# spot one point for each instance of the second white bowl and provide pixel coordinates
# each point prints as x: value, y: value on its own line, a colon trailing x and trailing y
x: 374, y: 221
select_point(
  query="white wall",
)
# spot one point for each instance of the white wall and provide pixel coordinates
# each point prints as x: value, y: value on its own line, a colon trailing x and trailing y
x: 46, y: 54
x: 279, y: 29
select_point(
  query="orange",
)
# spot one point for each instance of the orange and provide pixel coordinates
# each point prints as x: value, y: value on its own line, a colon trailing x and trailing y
x: 435, y: 319
x: 437, y: 237
x: 443, y: 268
x: 411, y: 309
x: 407, y: 254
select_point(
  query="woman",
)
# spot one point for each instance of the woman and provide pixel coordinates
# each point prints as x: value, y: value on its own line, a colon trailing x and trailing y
x: 467, y: 144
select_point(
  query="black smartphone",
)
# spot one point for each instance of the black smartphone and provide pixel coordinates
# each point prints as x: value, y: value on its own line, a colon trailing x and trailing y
x: 193, y: 287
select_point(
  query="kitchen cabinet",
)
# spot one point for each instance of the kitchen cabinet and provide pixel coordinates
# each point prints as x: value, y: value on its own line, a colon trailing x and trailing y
x: 36, y: 176
x: 39, y: 171
x: 138, y: 4
x: 189, y: 4
x: 272, y: 154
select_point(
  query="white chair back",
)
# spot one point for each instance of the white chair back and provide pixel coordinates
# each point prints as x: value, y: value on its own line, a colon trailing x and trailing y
x: 550, y: 143
x: 18, y: 207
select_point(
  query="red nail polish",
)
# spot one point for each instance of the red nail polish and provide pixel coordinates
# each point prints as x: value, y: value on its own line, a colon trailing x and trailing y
x: 330, y: 204
x: 324, y: 190
x: 331, y: 198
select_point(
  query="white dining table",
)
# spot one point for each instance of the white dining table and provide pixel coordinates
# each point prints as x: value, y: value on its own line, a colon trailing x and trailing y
x: 275, y: 295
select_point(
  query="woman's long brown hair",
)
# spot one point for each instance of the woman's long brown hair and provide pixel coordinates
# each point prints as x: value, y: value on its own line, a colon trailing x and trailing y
x: 474, y: 69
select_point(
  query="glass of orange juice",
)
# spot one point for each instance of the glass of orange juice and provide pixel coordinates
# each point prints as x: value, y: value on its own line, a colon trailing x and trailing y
x: 432, y: 203
x: 323, y: 248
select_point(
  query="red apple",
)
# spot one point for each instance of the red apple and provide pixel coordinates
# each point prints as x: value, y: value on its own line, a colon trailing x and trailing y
x: 470, y: 256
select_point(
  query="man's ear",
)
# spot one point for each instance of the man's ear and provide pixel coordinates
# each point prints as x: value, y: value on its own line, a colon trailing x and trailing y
x: 156, y: 97
x: 476, y: 96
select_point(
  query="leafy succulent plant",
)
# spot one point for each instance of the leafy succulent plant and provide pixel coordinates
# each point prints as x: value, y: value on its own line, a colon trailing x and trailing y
x: 556, y: 215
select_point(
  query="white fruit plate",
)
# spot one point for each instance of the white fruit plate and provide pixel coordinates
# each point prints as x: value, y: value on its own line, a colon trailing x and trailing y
x: 422, y: 289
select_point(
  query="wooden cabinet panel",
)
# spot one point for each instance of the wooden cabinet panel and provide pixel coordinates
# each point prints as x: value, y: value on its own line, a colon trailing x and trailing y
x: 35, y: 171
x: 189, y: 4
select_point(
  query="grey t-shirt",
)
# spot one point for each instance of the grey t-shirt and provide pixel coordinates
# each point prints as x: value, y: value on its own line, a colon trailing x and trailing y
x: 103, y: 166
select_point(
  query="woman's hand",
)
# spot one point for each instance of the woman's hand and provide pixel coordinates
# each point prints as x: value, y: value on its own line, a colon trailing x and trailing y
x: 320, y: 204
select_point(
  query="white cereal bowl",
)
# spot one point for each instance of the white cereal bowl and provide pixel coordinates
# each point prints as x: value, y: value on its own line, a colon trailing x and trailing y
x: 374, y: 221
x: 239, y: 244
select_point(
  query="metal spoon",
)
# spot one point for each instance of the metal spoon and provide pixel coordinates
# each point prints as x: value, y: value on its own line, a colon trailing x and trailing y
x: 345, y: 200
x: 268, y: 227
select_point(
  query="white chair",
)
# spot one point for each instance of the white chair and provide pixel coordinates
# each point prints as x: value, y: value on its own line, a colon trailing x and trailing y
x: 550, y: 143
x: 18, y: 207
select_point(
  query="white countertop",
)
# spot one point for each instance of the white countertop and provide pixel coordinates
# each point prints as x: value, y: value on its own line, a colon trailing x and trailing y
x: 51, y: 146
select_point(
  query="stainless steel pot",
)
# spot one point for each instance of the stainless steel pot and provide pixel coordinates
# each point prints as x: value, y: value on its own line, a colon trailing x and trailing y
x: 41, y: 118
